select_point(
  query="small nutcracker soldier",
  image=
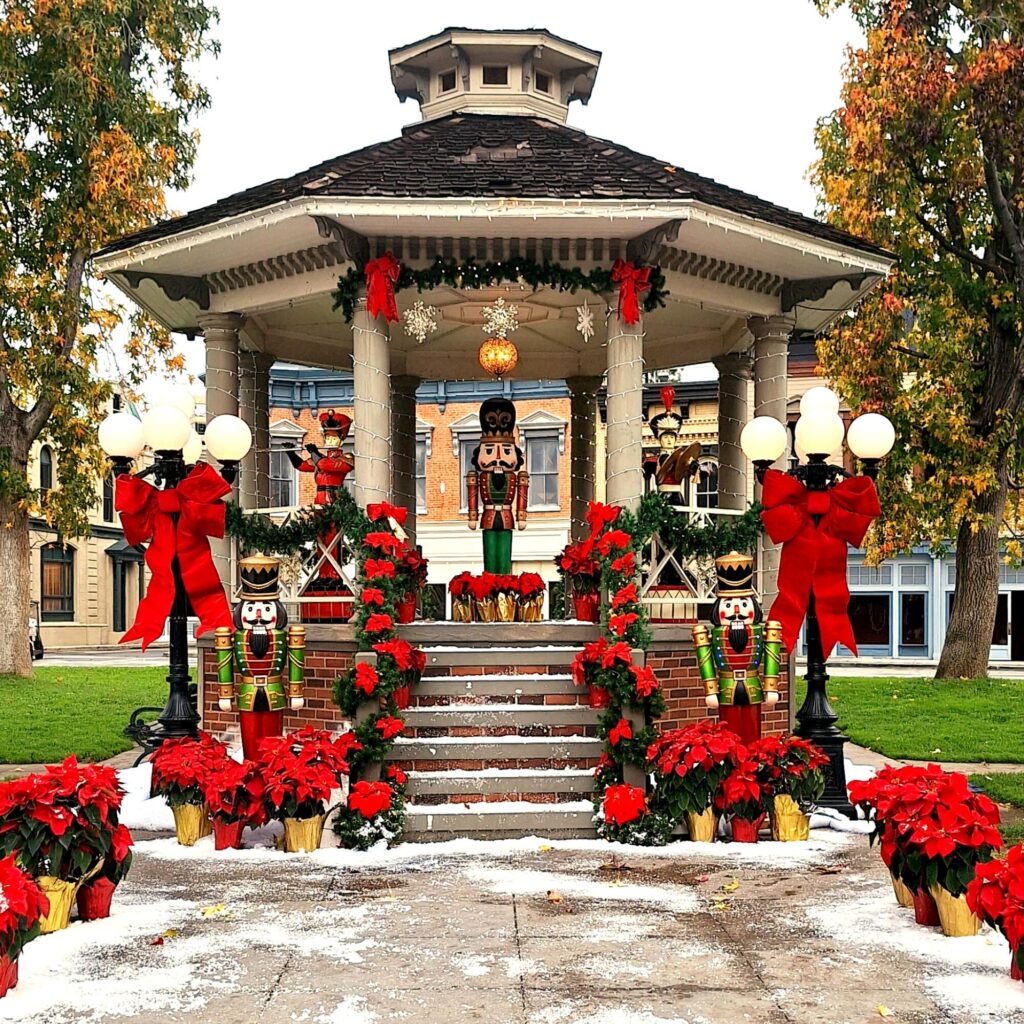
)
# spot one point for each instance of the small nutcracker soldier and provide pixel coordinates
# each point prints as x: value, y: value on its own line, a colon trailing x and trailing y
x: 499, y: 483
x: 329, y: 467
x: 738, y: 658
x: 261, y: 661
x: 675, y: 466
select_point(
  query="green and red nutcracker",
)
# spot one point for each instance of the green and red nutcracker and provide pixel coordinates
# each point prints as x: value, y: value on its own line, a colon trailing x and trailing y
x: 260, y: 663
x: 740, y: 657
x: 498, y: 483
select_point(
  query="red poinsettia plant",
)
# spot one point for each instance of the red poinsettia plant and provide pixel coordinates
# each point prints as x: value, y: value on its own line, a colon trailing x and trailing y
x: 180, y: 768
x: 996, y: 895
x: 22, y: 904
x: 301, y: 770
x: 691, y: 763
x: 483, y: 586
x: 579, y: 564
x: 530, y: 585
x: 234, y: 791
x: 458, y: 586
x: 414, y: 568
x: 742, y: 793
x: 791, y: 766
x: 373, y: 814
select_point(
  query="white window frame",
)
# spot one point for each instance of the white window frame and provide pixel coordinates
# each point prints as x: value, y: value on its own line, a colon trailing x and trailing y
x: 507, y: 84
x: 286, y: 434
x: 543, y: 425
x: 425, y: 437
x: 441, y: 91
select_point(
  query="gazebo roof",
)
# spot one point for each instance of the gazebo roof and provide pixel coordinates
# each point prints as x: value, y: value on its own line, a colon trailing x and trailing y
x: 496, y: 156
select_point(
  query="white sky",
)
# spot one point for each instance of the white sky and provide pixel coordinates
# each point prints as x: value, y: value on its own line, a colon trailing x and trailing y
x: 730, y: 89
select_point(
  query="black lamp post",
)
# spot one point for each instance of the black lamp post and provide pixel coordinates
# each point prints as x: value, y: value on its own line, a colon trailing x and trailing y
x: 123, y: 437
x: 871, y: 438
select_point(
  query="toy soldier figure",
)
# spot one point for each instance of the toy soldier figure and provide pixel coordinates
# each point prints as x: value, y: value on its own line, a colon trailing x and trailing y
x: 739, y: 661
x: 675, y: 465
x: 329, y: 467
x: 261, y: 661
x: 498, y: 483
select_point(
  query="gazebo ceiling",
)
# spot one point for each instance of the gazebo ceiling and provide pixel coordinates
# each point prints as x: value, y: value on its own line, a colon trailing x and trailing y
x: 493, y: 186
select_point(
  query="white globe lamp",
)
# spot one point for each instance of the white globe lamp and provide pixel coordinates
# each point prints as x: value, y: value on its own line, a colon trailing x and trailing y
x: 165, y: 428
x: 819, y: 399
x: 819, y: 433
x: 871, y: 436
x: 763, y: 440
x: 193, y: 450
x: 228, y: 440
x: 178, y: 396
x: 121, y: 436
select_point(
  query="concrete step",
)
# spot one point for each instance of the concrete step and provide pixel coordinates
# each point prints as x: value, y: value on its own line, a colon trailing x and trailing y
x: 541, y: 658
x: 501, y: 720
x: 474, y: 753
x: 501, y: 820
x: 499, y: 685
x: 542, y: 785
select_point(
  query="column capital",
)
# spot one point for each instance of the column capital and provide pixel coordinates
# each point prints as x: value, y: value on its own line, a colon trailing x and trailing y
x: 779, y: 326
x: 231, y: 322
x: 583, y: 385
x: 738, y: 364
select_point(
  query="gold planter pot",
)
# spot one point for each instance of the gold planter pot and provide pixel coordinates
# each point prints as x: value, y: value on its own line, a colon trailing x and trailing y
x: 486, y: 610
x: 954, y: 914
x: 506, y: 607
x: 303, y: 835
x: 701, y: 826
x: 789, y: 823
x: 61, y: 895
x: 191, y: 822
x: 531, y: 609
x: 462, y: 610
x: 904, y: 897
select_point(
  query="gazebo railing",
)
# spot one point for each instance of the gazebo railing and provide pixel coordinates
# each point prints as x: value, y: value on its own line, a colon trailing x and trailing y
x: 677, y: 582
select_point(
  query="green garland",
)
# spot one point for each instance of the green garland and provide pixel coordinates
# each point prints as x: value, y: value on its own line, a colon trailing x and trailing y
x: 517, y: 270
x: 258, y: 532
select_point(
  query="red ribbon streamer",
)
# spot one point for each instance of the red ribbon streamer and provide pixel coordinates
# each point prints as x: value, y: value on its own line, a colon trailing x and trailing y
x: 146, y: 516
x: 632, y: 282
x: 814, y: 557
x: 381, y: 275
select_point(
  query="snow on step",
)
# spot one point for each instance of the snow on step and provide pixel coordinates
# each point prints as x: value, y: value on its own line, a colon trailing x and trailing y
x: 462, y: 782
x: 506, y: 819
x: 500, y: 715
x: 503, y: 807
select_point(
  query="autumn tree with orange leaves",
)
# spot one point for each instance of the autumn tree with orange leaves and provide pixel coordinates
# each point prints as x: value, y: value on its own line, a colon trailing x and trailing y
x: 95, y: 102
x: 926, y: 157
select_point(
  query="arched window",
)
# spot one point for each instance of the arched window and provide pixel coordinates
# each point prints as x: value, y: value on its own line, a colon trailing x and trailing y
x: 57, y: 576
x: 45, y: 470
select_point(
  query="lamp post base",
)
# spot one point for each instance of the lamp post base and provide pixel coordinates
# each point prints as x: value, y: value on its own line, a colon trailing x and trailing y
x: 830, y: 741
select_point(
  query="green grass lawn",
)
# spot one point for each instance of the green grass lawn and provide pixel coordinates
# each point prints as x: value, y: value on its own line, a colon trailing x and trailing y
x: 61, y: 711
x: 934, y: 720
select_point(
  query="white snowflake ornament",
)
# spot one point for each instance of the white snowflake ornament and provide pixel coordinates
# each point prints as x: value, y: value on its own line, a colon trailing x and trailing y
x: 500, y: 319
x: 585, y: 321
x: 420, y: 320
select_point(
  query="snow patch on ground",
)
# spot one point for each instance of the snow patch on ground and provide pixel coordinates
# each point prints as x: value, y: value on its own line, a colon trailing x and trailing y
x: 139, y: 810
x: 351, y: 1010
x: 570, y: 1013
x: 991, y: 1000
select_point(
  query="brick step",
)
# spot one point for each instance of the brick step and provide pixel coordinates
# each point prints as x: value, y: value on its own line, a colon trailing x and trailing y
x: 538, y: 785
x: 501, y: 820
x: 530, y: 687
x: 501, y: 720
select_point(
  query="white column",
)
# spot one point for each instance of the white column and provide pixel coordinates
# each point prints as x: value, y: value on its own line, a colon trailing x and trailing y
x: 220, y: 333
x: 261, y: 426
x: 403, y: 447
x: 733, y: 378
x: 771, y: 345
x: 247, y: 411
x: 371, y: 379
x: 625, y: 481
x: 582, y: 449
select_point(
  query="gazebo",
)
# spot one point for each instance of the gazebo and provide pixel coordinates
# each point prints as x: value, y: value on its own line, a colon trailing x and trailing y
x: 491, y: 173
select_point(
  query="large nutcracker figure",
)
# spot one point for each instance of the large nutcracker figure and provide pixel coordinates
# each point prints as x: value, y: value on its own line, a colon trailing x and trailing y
x: 739, y: 658
x: 498, y: 483
x: 261, y: 661
x: 329, y: 466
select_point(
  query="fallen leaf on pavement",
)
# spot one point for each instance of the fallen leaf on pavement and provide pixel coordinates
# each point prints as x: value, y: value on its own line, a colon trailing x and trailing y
x: 171, y: 933
x: 884, y: 1011
x: 702, y: 878
x: 214, y: 910
x: 731, y: 886
x: 158, y: 941
x: 554, y: 897
x: 544, y: 847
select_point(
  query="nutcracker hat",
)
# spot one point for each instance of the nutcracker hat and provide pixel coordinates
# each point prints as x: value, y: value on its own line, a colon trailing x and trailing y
x: 497, y: 420
x: 668, y: 421
x: 260, y: 578
x: 735, y: 573
x: 333, y: 422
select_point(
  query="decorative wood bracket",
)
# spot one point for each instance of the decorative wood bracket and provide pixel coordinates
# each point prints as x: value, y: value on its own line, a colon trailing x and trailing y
x: 644, y: 248
x: 808, y: 289
x: 175, y: 286
x: 356, y: 246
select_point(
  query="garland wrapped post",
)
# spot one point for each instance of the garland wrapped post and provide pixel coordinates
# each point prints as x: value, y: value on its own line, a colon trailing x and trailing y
x: 527, y: 273
x: 378, y: 687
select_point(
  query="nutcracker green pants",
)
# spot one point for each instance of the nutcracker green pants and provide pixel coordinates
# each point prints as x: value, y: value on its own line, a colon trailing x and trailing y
x: 498, y: 551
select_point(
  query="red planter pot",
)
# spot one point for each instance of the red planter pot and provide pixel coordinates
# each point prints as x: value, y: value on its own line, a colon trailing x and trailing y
x: 746, y: 831
x: 94, y: 899
x: 227, y: 835
x: 599, y: 697
x: 1015, y: 971
x: 925, y: 911
x: 587, y: 607
x: 403, y: 697
x: 8, y: 975
x: 405, y: 611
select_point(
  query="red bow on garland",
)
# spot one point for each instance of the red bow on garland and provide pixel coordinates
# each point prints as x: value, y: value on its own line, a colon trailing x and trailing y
x: 632, y: 282
x: 814, y: 557
x: 381, y: 275
x: 146, y: 516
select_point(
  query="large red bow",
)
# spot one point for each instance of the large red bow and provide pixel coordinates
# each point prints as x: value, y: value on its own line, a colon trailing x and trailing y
x: 814, y: 557
x: 146, y: 516
x: 381, y: 275
x: 632, y: 282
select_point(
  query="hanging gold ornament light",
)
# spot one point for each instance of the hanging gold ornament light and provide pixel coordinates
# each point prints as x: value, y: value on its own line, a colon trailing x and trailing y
x: 498, y: 356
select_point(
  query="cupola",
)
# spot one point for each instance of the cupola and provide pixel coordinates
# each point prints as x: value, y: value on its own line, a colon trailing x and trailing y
x: 529, y: 72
